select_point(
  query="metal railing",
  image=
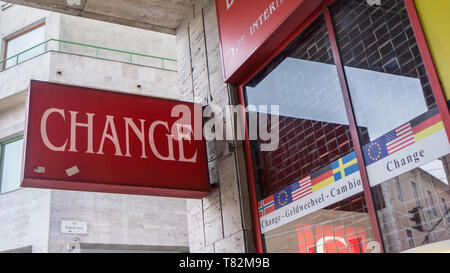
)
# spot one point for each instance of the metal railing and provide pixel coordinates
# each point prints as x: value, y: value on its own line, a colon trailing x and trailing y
x: 89, y: 51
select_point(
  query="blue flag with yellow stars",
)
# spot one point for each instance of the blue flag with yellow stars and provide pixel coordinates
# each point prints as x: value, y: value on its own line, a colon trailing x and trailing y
x: 375, y: 151
x: 282, y: 198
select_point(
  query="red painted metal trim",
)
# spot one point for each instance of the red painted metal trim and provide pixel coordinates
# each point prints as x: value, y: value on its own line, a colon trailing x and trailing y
x: 264, y: 46
x: 429, y: 64
x: 354, y: 132
x: 285, y: 43
x: 117, y: 189
x: 250, y: 176
x: 250, y: 173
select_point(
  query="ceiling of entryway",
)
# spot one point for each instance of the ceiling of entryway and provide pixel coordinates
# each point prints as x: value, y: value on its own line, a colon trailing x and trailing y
x: 157, y: 15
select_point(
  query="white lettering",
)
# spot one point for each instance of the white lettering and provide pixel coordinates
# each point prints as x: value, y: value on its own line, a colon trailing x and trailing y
x: 73, y: 128
x: 44, y: 135
x: 182, y: 131
x: 113, y: 138
x: 155, y: 151
x: 139, y: 133
x: 229, y: 3
x: 188, y: 129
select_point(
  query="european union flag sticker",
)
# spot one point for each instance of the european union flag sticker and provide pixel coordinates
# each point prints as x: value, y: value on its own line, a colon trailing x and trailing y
x: 282, y: 198
x: 375, y: 151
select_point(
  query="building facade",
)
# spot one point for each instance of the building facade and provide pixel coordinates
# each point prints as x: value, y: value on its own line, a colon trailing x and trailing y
x: 84, y: 52
x: 362, y: 160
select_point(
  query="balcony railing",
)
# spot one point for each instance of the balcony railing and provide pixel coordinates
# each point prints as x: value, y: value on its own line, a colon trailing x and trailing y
x: 56, y: 45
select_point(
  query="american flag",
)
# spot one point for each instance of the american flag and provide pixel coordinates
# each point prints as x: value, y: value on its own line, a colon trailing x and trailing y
x: 301, y: 188
x: 400, y: 138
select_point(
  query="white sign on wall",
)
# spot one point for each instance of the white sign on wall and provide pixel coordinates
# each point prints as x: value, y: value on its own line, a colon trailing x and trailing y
x: 74, y: 227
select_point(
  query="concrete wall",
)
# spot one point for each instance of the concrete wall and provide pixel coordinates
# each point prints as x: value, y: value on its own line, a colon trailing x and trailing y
x: 25, y: 220
x: 115, y: 36
x: 119, y: 220
x: 220, y: 222
x: 112, y: 75
x: 32, y: 217
x: 91, y: 72
x: 17, y: 18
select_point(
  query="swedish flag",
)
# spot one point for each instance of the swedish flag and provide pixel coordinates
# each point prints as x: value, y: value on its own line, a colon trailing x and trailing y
x: 345, y: 166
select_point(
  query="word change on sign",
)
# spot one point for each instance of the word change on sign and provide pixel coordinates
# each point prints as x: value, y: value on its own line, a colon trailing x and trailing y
x: 409, y: 146
x: 337, y: 181
x: 102, y: 141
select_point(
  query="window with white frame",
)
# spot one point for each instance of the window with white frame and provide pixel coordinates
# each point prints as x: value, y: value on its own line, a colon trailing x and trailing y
x: 10, y: 165
x: 24, y: 45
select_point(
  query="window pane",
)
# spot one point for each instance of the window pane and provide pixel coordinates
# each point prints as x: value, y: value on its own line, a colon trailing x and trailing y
x: 405, y: 146
x: 11, y: 166
x: 24, y: 42
x: 310, y: 187
x: 398, y: 188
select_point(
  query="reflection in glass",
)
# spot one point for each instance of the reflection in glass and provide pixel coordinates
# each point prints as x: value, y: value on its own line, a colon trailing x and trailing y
x: 315, y: 152
x: 11, y: 166
x: 406, y: 148
x: 342, y: 228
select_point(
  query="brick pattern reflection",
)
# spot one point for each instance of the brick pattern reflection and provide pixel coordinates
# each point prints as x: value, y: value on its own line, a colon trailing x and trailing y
x: 380, y: 39
x: 305, y: 146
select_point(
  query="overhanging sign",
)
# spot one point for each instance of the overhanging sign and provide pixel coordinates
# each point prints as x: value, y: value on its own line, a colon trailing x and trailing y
x: 92, y: 140
x: 251, y: 29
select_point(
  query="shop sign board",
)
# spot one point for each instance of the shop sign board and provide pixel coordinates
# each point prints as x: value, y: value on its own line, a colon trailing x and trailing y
x: 103, y: 141
x: 249, y: 30
x: 333, y: 183
x: 409, y: 146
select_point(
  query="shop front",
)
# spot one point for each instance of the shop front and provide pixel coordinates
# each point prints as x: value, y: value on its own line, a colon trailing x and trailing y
x: 363, y: 158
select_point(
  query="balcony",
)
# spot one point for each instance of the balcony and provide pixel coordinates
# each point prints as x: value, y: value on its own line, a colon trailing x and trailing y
x: 86, y: 65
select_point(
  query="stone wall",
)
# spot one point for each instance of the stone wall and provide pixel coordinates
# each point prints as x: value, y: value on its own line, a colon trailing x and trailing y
x: 220, y: 222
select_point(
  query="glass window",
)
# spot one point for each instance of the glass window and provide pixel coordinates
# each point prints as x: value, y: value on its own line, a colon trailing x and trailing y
x: 11, y: 165
x: 432, y: 208
x: 415, y: 193
x: 401, y: 130
x: 445, y: 210
x: 411, y: 243
x: 398, y: 188
x: 22, y: 42
x: 309, y: 189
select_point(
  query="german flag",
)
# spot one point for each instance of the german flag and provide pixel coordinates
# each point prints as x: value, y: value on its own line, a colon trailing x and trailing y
x: 322, y: 178
x: 427, y: 124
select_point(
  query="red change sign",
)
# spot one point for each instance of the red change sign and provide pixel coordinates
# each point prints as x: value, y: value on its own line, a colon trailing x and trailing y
x: 102, y: 141
x: 251, y: 29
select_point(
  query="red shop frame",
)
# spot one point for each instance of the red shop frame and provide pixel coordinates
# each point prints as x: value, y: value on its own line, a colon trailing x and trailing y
x: 431, y: 72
